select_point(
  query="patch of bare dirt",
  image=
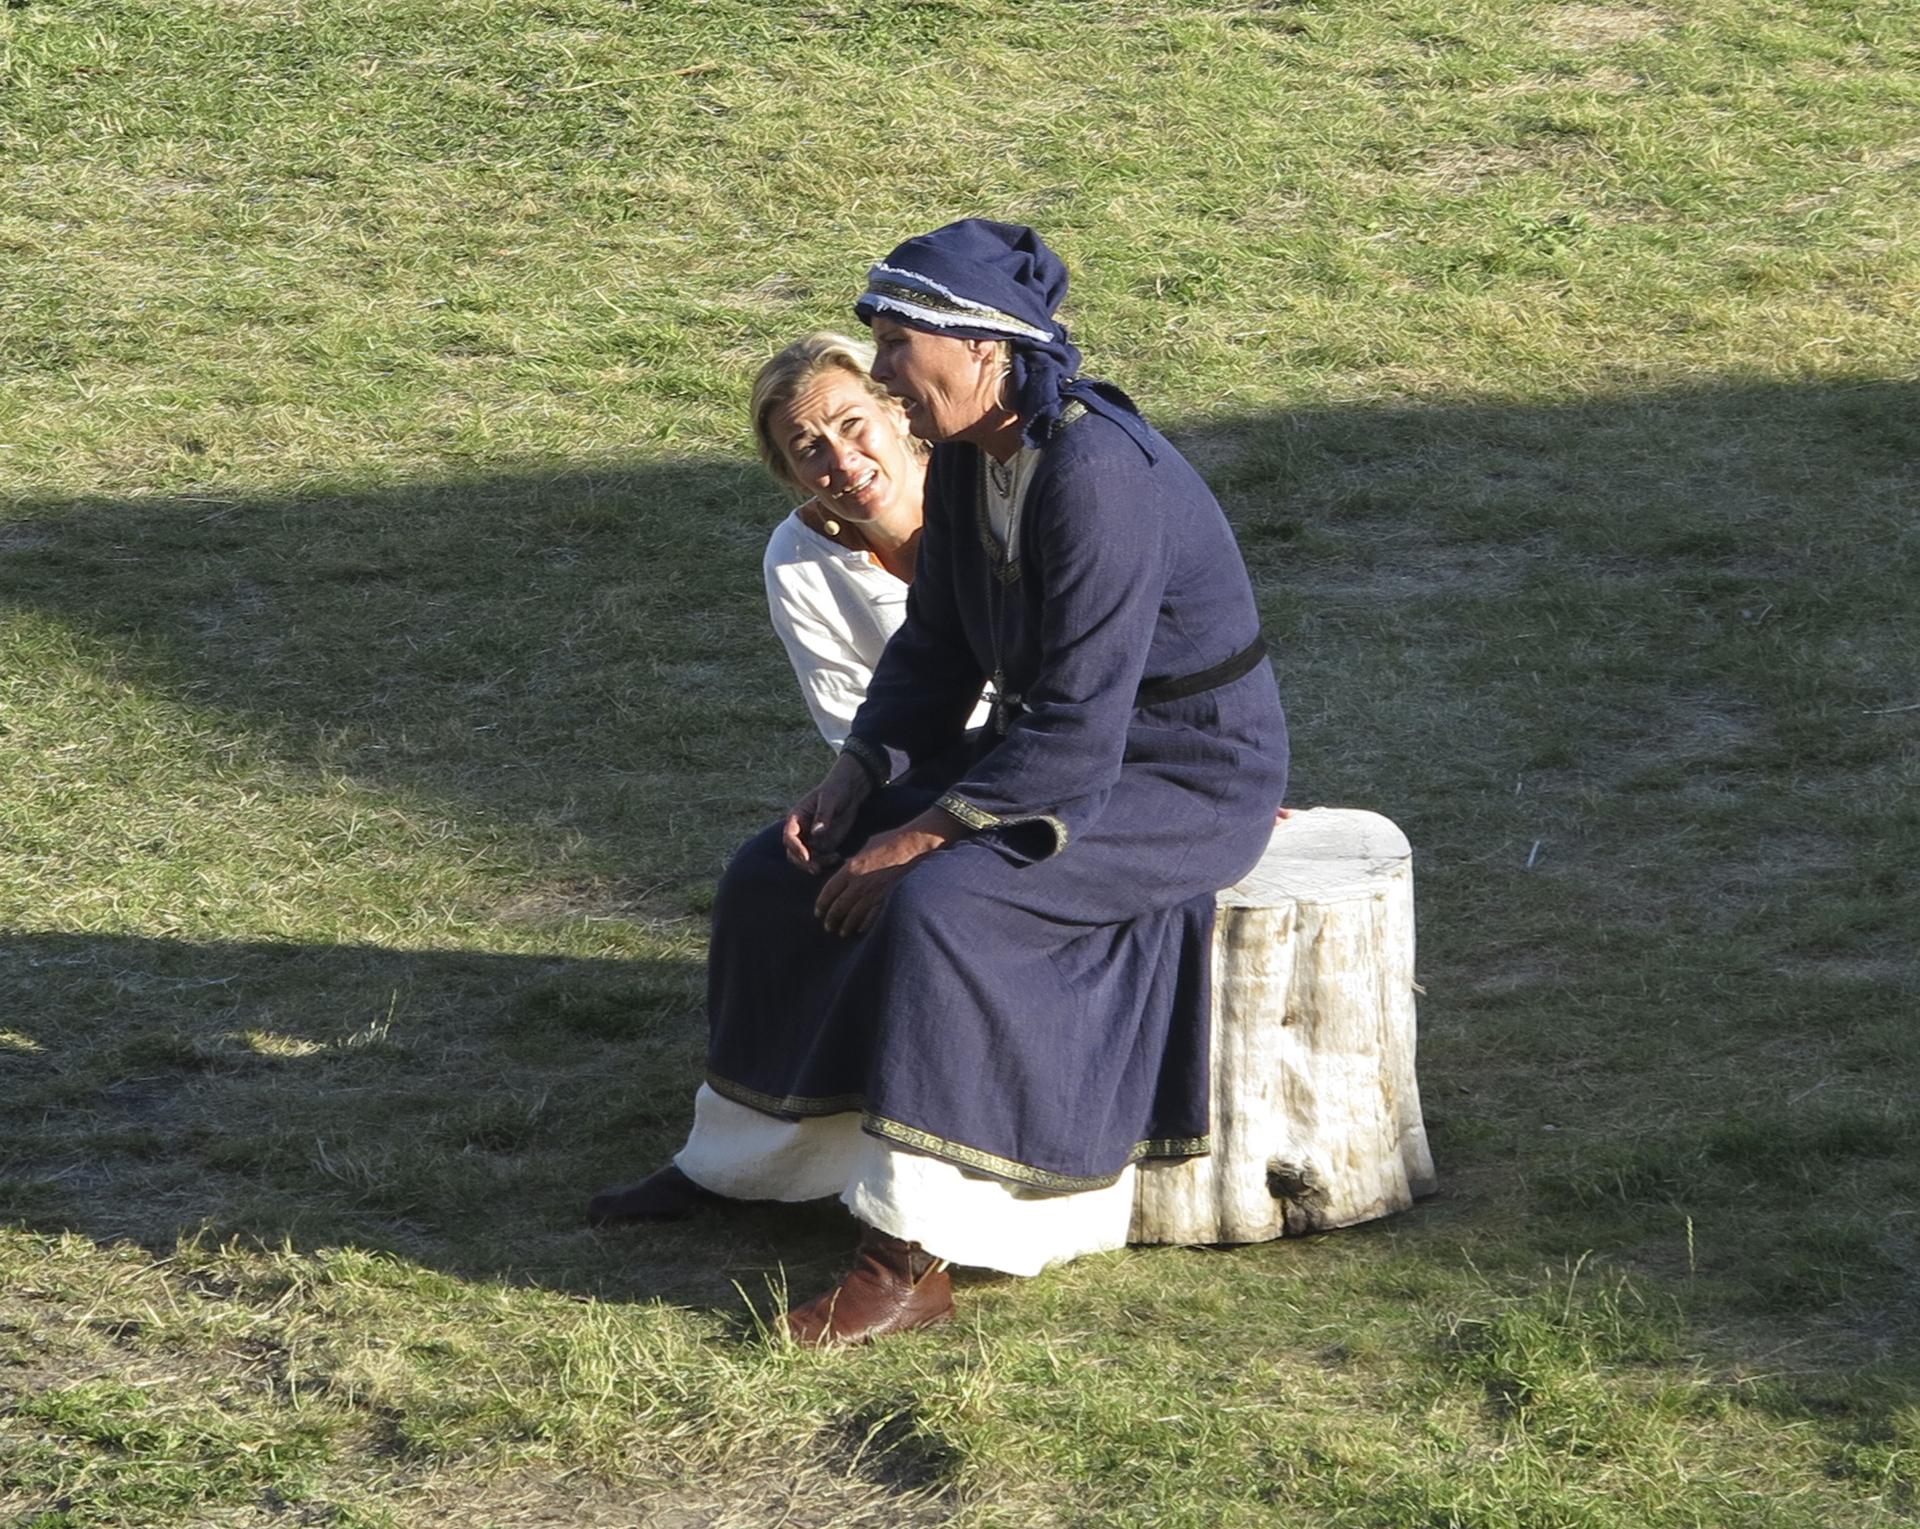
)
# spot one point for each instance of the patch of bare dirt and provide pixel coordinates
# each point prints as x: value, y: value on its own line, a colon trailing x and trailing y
x: 1902, y: 156
x: 1600, y: 26
x: 1461, y: 167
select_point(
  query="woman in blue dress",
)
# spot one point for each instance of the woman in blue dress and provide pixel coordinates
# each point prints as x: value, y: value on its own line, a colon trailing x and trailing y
x: 964, y: 984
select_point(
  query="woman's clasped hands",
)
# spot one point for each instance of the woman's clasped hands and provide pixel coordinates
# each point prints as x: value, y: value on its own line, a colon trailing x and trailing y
x: 858, y: 886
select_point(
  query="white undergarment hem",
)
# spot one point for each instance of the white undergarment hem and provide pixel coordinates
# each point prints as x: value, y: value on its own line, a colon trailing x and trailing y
x: 963, y: 1217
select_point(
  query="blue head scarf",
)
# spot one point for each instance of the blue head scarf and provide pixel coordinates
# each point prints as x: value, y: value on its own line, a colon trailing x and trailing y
x: 980, y: 280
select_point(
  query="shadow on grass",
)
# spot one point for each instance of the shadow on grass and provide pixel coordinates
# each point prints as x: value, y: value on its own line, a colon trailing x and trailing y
x: 551, y: 652
x: 453, y: 1108
x: 1659, y: 637
x: 508, y: 644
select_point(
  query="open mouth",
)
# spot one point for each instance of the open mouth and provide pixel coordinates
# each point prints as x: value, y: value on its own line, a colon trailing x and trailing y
x: 860, y: 486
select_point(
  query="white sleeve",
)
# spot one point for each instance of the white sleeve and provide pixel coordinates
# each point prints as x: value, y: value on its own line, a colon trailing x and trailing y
x: 820, y: 644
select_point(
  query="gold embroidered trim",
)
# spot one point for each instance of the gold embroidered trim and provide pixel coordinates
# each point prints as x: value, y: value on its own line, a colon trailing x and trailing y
x: 1059, y: 827
x: 978, y: 819
x: 964, y: 810
x: 923, y: 296
x: 791, y: 1104
x: 939, y: 302
x: 1004, y: 561
x: 1019, y: 1173
x: 985, y: 1162
x: 952, y: 1151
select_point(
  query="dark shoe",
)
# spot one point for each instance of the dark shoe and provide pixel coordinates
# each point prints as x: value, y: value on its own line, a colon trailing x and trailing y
x: 668, y: 1195
x: 894, y: 1286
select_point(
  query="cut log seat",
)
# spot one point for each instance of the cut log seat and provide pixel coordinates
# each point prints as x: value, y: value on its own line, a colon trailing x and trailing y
x: 1316, y: 1111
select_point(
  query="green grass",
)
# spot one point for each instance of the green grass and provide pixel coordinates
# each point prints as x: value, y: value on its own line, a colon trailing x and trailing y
x: 385, y: 680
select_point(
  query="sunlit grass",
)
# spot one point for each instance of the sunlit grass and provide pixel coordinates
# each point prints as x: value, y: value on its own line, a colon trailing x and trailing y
x: 386, y: 679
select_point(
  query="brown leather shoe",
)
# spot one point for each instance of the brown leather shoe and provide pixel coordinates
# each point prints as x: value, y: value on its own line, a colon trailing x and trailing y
x: 667, y: 1195
x: 894, y: 1286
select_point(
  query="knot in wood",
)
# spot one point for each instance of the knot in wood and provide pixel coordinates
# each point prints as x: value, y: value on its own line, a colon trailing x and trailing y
x: 1301, y: 1183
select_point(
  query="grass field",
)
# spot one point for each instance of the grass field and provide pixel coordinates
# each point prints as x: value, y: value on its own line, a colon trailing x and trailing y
x: 386, y: 678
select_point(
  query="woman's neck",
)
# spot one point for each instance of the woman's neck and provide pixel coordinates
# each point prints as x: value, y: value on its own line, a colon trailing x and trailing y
x: 892, y: 538
x: 998, y: 434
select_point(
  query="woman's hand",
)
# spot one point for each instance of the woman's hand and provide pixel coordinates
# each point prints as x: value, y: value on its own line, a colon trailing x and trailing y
x: 820, y: 820
x: 854, y: 895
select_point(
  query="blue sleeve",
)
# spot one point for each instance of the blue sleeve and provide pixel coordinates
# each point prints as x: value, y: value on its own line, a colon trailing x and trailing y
x: 1096, y: 539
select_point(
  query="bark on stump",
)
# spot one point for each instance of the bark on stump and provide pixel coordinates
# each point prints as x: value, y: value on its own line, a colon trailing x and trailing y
x: 1316, y: 1111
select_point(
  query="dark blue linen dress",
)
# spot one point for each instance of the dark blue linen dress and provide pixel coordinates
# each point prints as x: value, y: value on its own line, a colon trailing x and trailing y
x: 1032, y: 1002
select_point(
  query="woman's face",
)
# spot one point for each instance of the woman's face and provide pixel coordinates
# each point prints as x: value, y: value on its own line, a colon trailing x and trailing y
x: 949, y: 387
x: 850, y: 448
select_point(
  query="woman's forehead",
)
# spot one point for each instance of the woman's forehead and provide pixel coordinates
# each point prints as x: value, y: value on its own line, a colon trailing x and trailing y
x: 831, y: 392
x: 887, y: 328
x: 924, y: 342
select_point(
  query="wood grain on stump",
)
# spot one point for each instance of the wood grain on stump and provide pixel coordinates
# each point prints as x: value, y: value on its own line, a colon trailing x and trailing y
x: 1316, y: 1110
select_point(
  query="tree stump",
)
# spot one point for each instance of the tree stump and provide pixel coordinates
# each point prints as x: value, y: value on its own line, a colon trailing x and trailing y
x: 1316, y: 1111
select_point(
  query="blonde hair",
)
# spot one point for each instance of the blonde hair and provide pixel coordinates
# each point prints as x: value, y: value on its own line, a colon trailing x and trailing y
x: 782, y: 378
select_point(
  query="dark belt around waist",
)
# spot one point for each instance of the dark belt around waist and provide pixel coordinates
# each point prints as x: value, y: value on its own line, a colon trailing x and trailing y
x: 1179, y: 687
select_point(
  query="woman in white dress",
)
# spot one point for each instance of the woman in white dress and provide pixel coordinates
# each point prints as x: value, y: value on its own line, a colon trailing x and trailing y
x: 837, y: 568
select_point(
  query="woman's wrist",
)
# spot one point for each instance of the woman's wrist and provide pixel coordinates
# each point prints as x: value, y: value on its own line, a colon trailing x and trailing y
x: 871, y: 761
x: 850, y: 778
x: 939, y: 825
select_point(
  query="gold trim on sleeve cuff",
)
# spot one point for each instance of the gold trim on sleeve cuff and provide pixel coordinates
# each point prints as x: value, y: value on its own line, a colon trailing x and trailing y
x: 959, y: 808
x: 978, y: 819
